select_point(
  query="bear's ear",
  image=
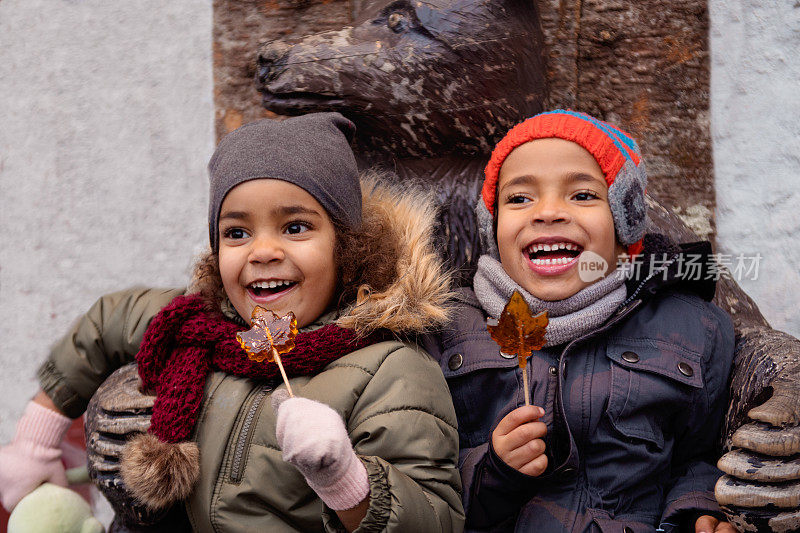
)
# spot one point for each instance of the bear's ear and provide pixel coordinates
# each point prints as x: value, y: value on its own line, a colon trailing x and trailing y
x: 449, y: 20
x: 437, y: 16
x: 460, y: 21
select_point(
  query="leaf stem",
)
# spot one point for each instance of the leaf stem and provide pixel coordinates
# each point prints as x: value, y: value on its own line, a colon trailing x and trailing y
x: 526, y: 390
x: 283, y: 372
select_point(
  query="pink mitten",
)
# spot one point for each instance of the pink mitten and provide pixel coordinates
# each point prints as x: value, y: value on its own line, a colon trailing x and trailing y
x: 313, y: 439
x: 33, y: 457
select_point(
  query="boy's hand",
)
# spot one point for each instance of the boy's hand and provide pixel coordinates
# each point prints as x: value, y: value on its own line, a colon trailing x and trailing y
x: 709, y: 524
x: 517, y: 440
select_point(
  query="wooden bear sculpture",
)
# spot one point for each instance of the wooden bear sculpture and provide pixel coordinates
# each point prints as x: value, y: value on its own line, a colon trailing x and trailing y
x: 427, y: 84
x: 431, y: 87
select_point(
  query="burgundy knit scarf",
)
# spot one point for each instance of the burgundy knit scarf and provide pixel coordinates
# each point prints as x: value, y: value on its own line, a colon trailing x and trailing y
x: 185, y: 341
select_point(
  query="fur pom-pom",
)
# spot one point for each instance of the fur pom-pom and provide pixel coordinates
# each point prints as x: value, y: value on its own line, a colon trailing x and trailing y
x: 158, y: 473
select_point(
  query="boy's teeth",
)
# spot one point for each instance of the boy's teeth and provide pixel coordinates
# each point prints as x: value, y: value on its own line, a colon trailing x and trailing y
x: 553, y: 247
x: 556, y: 261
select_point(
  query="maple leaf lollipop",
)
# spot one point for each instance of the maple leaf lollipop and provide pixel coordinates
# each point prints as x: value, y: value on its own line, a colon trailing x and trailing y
x: 518, y: 332
x: 269, y: 337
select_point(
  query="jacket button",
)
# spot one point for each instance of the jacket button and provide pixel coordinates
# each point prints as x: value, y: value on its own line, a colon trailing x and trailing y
x: 455, y: 361
x: 553, y: 371
x: 630, y: 357
x: 685, y: 369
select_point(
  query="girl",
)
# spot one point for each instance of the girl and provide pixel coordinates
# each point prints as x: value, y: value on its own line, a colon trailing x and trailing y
x: 370, y: 441
x: 629, y: 391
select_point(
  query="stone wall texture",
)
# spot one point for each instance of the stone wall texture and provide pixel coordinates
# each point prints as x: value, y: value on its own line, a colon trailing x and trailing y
x: 755, y: 125
x: 106, y: 125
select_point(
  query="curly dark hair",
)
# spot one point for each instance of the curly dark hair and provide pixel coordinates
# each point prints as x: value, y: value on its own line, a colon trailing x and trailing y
x: 366, y: 257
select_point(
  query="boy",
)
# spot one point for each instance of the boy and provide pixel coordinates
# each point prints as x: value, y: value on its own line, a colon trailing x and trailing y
x: 630, y: 389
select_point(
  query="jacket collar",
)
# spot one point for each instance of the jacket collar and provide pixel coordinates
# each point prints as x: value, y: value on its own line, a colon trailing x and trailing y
x: 665, y: 265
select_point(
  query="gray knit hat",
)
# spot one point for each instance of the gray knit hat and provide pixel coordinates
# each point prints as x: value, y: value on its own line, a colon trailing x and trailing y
x: 311, y: 151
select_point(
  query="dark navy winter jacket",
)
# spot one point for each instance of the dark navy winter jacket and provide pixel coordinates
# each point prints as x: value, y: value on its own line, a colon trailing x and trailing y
x: 633, y: 412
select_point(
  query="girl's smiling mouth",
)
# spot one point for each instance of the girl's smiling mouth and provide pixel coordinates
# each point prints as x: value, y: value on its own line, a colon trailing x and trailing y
x: 265, y: 291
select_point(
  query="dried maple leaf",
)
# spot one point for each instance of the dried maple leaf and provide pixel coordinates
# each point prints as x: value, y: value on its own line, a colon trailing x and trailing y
x: 269, y: 331
x: 517, y: 331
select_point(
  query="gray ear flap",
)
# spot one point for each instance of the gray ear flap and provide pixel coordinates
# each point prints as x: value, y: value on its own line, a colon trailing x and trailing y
x: 626, y: 199
x: 486, y: 231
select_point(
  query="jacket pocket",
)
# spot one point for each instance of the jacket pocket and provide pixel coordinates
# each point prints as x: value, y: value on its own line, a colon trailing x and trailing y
x: 652, y: 383
x: 475, y: 364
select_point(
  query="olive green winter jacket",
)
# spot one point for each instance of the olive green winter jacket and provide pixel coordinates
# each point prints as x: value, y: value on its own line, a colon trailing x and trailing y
x: 391, y: 395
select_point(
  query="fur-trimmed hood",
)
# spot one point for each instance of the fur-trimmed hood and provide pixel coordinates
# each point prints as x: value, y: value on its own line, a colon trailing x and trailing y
x: 416, y: 300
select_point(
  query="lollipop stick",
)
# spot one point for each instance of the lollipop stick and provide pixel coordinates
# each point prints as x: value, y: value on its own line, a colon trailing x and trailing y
x: 526, y: 390
x: 283, y: 372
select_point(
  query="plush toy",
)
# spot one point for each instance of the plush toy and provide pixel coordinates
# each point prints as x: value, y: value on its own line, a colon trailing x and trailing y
x: 53, y: 509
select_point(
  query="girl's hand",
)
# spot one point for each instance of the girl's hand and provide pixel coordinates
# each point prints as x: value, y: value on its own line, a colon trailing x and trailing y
x: 709, y: 524
x: 313, y: 438
x: 34, y: 456
x: 517, y: 440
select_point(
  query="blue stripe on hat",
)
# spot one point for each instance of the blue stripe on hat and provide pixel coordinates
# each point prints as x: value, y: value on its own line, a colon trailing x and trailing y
x: 613, y: 133
x: 609, y: 129
x: 616, y: 136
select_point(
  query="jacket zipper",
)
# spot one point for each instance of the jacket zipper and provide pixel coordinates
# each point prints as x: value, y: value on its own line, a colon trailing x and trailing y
x: 244, y: 434
x: 562, y: 364
x: 648, y: 278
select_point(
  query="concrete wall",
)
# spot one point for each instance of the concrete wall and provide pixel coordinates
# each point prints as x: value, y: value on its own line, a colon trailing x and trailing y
x: 106, y: 125
x: 755, y: 121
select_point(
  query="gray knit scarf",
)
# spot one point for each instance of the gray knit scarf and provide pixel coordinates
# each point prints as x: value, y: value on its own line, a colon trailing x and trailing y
x: 569, y: 318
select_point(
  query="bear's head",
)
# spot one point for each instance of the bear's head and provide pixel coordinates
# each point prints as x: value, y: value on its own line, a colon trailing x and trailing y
x: 419, y: 78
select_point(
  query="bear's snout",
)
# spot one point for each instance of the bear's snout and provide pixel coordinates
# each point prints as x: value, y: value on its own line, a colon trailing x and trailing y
x: 270, y: 56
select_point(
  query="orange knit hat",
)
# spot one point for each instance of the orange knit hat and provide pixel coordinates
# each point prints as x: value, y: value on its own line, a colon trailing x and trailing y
x: 615, y: 151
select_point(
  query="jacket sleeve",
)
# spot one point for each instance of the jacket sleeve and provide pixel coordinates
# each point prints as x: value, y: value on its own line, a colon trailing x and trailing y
x: 695, y: 454
x: 102, y: 340
x: 494, y: 492
x: 403, y: 427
